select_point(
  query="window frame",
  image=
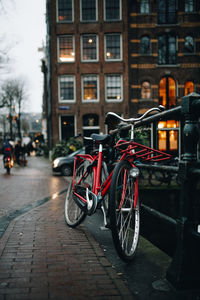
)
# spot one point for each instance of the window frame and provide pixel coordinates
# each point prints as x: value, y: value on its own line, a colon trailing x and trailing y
x: 142, y: 37
x: 97, y: 48
x: 166, y: 13
x: 58, y: 47
x: 145, y: 2
x: 82, y: 89
x: 81, y: 15
x: 60, y: 125
x: 120, y: 12
x: 57, y: 13
x: 150, y: 88
x: 106, y: 88
x: 187, y: 52
x: 105, y: 47
x: 167, y: 36
x: 59, y: 89
x: 189, y: 2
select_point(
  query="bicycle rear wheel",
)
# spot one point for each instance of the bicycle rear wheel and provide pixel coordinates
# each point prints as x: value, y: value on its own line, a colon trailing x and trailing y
x: 74, y: 215
x: 124, y: 218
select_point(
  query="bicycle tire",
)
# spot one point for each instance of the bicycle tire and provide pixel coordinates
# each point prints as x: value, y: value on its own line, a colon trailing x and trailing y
x: 74, y: 215
x: 124, y: 221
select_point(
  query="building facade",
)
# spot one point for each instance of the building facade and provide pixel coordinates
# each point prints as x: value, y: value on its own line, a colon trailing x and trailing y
x: 87, y: 46
x: 123, y: 56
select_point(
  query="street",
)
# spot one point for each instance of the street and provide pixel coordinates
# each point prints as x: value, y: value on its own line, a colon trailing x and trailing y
x: 31, y: 186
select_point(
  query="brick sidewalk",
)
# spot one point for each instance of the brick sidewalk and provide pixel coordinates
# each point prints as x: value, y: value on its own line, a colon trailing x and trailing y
x: 41, y: 258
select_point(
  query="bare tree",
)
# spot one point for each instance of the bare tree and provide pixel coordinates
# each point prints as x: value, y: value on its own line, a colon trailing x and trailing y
x: 12, y: 97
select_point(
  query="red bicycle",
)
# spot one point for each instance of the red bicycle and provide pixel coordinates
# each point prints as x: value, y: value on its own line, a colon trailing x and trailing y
x: 115, y: 192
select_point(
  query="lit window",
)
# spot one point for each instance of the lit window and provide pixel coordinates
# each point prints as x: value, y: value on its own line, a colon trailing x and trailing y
x: 144, y: 6
x: 189, y: 44
x: 90, y: 88
x: 168, y: 132
x: 89, y: 47
x: 114, y: 87
x: 167, y: 13
x: 113, y: 47
x: 167, y: 92
x: 66, y: 48
x: 90, y: 124
x: 112, y: 10
x: 88, y: 10
x: 66, y: 88
x: 145, y: 45
x: 167, y: 49
x: 65, y: 10
x: 189, y: 5
x: 146, y: 90
x: 189, y: 87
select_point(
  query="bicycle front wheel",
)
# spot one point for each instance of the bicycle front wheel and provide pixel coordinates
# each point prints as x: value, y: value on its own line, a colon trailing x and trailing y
x: 124, y: 218
x: 74, y: 215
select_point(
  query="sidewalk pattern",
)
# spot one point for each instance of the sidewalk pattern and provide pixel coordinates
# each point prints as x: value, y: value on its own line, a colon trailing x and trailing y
x: 41, y: 258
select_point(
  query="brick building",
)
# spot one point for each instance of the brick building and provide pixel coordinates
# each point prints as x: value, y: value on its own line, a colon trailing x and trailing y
x: 123, y: 56
x: 87, y: 62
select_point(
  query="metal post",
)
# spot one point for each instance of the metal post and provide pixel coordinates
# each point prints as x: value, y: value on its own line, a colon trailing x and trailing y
x: 184, y: 272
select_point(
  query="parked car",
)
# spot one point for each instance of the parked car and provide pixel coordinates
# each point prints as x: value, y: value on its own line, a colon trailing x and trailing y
x: 64, y: 164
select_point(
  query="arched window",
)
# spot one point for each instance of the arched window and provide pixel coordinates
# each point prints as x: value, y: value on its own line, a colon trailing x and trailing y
x: 145, y: 45
x: 189, y: 87
x: 167, y: 92
x: 189, y: 44
x: 146, y: 90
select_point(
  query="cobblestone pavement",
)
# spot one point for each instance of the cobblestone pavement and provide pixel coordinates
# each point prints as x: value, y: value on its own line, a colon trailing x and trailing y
x: 42, y: 258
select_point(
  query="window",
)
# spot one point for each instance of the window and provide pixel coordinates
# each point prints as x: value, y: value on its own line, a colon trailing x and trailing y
x: 145, y: 45
x: 167, y: 92
x: 189, y: 87
x: 90, y: 88
x: 88, y: 10
x: 67, y: 127
x: 146, y: 90
x: 114, y: 87
x: 65, y: 10
x: 189, y: 6
x: 167, y: 13
x: 189, y: 44
x: 66, y: 48
x: 168, y: 132
x: 167, y: 50
x: 112, y: 10
x: 113, y: 47
x: 66, y: 88
x: 144, y: 6
x: 89, y: 47
x: 90, y: 124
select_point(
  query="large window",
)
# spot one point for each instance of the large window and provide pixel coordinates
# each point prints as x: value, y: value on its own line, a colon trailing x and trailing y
x: 114, y: 87
x: 189, y: 6
x: 66, y: 88
x: 67, y: 129
x: 90, y: 124
x: 112, y: 10
x: 113, y: 47
x: 89, y: 47
x: 144, y: 6
x: 66, y: 51
x: 189, y: 87
x: 167, y: 49
x: 167, y: 92
x: 168, y: 132
x: 145, y: 45
x: 88, y: 10
x: 167, y: 13
x: 90, y: 88
x: 65, y: 10
x: 146, y: 90
x: 189, y: 44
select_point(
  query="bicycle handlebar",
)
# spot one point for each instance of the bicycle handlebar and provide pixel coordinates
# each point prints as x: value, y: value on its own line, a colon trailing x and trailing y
x: 133, y: 120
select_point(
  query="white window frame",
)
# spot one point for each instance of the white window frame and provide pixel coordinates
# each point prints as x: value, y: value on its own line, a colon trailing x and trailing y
x: 113, y: 100
x: 82, y: 89
x: 57, y: 16
x: 105, y: 47
x: 58, y: 48
x: 96, y: 17
x: 97, y: 47
x: 120, y: 12
x: 59, y: 89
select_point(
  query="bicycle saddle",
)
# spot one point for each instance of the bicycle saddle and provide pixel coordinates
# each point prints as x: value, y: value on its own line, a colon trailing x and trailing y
x: 101, y: 138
